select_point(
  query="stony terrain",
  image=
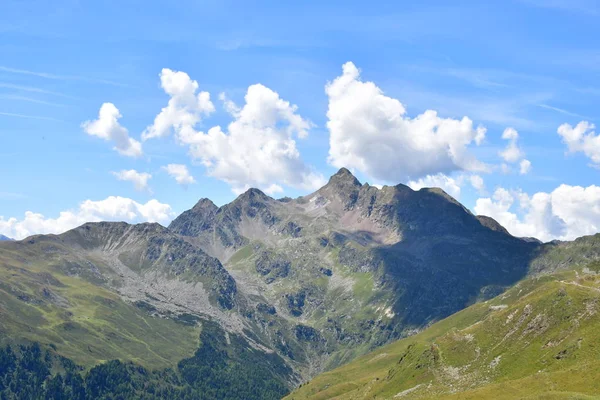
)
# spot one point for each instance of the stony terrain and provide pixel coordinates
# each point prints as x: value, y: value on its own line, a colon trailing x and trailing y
x: 351, y: 267
x: 314, y: 281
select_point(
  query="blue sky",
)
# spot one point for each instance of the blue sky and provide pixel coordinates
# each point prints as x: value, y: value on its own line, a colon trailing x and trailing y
x: 529, y: 65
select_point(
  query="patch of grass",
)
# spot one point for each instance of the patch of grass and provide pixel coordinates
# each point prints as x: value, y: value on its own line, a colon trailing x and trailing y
x: 363, y: 286
x: 536, y: 341
x: 242, y: 254
x: 88, y: 324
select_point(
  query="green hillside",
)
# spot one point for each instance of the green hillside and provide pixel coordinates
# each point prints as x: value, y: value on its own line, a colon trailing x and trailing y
x: 83, y: 321
x: 538, y: 340
x: 71, y: 310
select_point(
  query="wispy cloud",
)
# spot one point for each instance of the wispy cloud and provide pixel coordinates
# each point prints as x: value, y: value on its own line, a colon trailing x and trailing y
x: 474, y: 77
x: 562, y: 111
x: 7, y: 114
x: 505, y: 110
x: 47, y: 75
x: 33, y: 89
x: 31, y: 100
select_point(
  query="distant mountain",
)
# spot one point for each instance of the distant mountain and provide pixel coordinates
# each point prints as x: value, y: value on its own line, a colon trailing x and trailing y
x: 303, y: 285
x: 4, y: 238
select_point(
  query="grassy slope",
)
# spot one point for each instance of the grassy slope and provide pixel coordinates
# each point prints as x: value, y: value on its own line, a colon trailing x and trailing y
x: 85, y: 322
x: 540, y: 340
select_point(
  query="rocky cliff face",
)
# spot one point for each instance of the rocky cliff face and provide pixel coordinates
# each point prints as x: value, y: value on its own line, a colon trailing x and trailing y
x: 306, y: 283
x: 316, y: 280
x: 354, y: 265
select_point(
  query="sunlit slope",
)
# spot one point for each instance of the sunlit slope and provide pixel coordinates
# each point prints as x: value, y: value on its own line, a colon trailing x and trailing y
x: 539, y: 340
x: 83, y: 321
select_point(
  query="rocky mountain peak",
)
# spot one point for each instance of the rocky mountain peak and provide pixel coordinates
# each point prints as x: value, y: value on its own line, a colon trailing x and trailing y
x: 343, y: 177
x: 342, y: 186
x: 205, y: 205
x: 253, y: 194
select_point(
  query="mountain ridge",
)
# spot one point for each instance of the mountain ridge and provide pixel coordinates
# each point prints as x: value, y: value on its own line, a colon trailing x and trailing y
x: 313, y: 281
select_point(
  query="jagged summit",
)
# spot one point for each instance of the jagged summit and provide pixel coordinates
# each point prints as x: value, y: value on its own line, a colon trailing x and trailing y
x: 344, y: 177
x: 342, y: 186
x: 252, y: 194
x: 116, y: 228
x: 205, y: 204
x: 288, y: 272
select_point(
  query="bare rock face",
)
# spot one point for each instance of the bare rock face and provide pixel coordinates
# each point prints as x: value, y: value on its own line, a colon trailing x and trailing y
x: 353, y: 264
x: 316, y: 280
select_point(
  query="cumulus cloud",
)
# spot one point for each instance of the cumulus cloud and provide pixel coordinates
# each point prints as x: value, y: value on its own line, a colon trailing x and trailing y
x: 565, y: 213
x: 370, y: 131
x: 477, y: 183
x: 273, y: 189
x: 107, y: 127
x: 581, y: 138
x: 448, y: 184
x: 184, y: 109
x: 112, y: 208
x: 139, y: 179
x: 259, y: 147
x: 229, y: 105
x: 512, y: 153
x: 524, y: 167
x: 180, y: 173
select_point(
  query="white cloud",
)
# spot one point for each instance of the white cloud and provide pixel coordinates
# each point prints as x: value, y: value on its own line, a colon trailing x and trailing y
x: 139, y: 179
x: 370, y: 132
x: 229, y: 105
x: 512, y: 153
x: 273, y: 189
x: 565, y: 213
x: 112, y: 208
x: 259, y: 147
x: 448, y: 184
x: 477, y: 183
x: 581, y: 138
x: 524, y: 167
x: 180, y: 173
x: 510, y: 134
x: 184, y: 110
x: 107, y: 127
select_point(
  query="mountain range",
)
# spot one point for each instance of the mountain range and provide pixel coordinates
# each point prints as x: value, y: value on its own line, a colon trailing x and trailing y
x: 261, y: 295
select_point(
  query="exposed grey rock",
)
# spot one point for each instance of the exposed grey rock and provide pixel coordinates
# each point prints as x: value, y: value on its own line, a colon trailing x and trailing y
x: 317, y: 279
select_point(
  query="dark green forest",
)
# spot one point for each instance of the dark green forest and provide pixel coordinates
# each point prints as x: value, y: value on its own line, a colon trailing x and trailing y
x: 218, y: 370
